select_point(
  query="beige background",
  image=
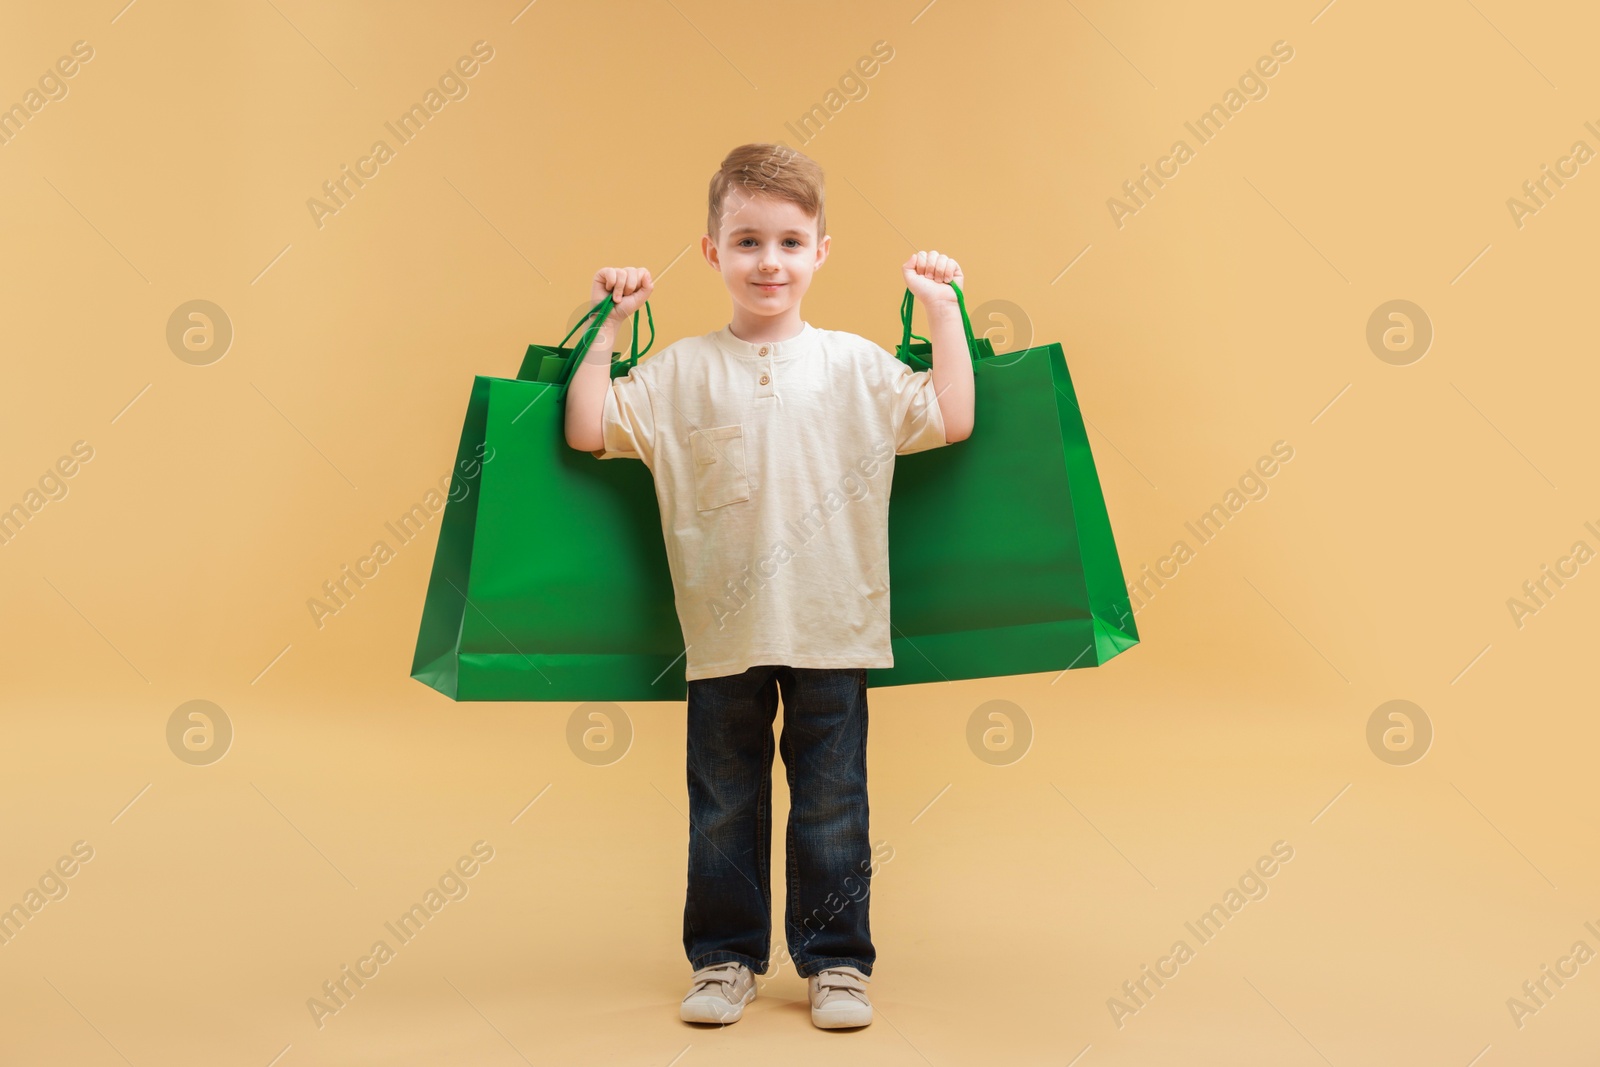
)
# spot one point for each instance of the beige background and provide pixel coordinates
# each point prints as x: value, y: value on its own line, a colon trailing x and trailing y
x: 1227, y: 314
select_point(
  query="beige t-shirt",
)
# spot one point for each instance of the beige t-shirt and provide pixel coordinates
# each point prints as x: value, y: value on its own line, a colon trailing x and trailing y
x: 772, y: 464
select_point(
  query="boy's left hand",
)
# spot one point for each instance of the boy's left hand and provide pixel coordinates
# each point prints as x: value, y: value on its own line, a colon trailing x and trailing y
x: 928, y: 276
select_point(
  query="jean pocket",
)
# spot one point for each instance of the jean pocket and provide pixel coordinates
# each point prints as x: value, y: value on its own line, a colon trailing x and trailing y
x: 719, y: 473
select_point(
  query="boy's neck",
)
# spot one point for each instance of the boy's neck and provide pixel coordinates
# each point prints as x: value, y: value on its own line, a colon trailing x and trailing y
x: 747, y: 326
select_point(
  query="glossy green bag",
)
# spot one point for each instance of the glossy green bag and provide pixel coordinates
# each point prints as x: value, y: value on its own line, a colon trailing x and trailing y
x: 550, y: 580
x: 1001, y: 556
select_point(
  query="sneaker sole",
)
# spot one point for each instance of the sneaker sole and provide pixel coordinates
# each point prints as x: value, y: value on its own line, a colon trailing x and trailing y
x: 843, y: 1019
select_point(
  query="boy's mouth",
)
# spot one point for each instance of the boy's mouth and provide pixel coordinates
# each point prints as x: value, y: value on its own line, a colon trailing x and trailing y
x: 769, y: 287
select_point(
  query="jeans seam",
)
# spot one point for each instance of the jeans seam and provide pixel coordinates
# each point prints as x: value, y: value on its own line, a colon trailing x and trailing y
x: 764, y: 829
x: 791, y: 874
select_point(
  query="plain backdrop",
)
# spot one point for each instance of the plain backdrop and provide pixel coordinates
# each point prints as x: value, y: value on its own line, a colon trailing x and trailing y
x: 1228, y: 313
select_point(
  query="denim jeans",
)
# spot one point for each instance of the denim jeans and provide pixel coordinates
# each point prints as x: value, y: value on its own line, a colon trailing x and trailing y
x: 728, y: 911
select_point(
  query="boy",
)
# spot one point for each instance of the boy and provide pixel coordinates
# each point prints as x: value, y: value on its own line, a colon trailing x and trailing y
x: 772, y: 446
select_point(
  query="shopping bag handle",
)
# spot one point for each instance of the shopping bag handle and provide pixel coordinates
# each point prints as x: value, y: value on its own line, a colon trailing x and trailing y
x: 906, y: 334
x: 603, y: 308
x: 608, y: 304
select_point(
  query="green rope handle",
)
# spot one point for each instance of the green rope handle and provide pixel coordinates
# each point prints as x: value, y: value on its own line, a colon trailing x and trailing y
x: 651, y: 320
x: 906, y: 334
x: 603, y: 308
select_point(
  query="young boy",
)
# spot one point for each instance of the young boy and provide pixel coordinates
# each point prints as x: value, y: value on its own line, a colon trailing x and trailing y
x: 772, y: 445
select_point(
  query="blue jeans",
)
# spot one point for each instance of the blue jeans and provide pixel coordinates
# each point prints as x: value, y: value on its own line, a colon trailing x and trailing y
x: 728, y: 911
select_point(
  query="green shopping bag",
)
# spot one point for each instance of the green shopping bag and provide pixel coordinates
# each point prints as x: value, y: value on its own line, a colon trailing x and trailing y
x: 1001, y: 557
x: 550, y: 580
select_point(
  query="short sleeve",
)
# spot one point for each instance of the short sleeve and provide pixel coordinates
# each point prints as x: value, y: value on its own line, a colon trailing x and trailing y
x: 912, y: 403
x: 628, y: 420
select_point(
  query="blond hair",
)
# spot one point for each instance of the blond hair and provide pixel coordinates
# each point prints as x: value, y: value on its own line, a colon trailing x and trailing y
x: 772, y: 170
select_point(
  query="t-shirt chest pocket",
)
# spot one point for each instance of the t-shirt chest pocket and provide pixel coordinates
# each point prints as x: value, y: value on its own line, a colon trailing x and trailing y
x: 719, y: 471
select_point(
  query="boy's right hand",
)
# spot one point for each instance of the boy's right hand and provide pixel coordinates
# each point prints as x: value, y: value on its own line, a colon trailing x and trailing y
x: 629, y: 287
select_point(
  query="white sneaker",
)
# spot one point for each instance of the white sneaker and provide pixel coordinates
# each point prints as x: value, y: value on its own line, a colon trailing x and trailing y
x: 719, y: 994
x: 839, y: 998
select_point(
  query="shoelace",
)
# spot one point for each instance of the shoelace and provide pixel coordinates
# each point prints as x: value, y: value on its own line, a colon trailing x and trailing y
x: 725, y: 975
x: 841, y: 980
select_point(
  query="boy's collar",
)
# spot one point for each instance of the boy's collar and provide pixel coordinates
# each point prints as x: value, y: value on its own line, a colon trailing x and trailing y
x: 802, y: 342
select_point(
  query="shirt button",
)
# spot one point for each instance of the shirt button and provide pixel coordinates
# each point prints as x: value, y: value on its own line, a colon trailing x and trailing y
x: 763, y: 351
x: 763, y: 379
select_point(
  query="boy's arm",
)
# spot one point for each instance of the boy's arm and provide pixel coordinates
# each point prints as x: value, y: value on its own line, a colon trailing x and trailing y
x: 629, y: 287
x: 586, y: 396
x: 928, y: 276
x: 952, y: 368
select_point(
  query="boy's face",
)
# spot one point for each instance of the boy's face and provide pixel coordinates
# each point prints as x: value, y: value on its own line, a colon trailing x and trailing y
x: 766, y: 250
